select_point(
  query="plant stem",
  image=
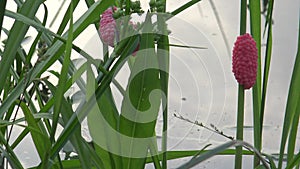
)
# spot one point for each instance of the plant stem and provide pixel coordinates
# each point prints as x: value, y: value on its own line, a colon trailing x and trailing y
x: 163, y: 58
x: 255, y: 24
x: 240, y: 115
x: 243, y: 19
x: 2, y: 7
x: 291, y: 108
x: 240, y: 127
x: 184, y: 7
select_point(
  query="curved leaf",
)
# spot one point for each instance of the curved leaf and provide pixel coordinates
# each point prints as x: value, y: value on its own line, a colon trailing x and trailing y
x: 141, y: 103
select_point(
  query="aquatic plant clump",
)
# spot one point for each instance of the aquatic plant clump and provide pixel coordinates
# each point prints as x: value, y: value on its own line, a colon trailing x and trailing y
x: 244, y: 60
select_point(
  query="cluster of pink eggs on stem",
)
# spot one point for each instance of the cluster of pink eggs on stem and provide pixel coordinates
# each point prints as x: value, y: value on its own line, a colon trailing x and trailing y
x: 244, y: 56
x: 244, y: 60
x: 108, y: 29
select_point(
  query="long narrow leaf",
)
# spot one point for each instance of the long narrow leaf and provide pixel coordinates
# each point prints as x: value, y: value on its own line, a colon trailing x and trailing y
x: 255, y: 24
x: 40, y: 138
x: 102, y: 122
x: 295, y: 162
x: 57, y: 49
x: 9, y: 154
x: 59, y: 94
x: 267, y: 61
x: 36, y: 40
x: 69, y: 164
x: 182, y: 154
x: 17, y: 34
x: 292, y: 142
x: 2, y: 9
x: 219, y: 149
x: 291, y: 104
x: 141, y: 104
x: 241, y: 94
x: 86, y: 155
x: 154, y: 154
x: 72, y: 6
x: 164, y: 66
x: 184, y: 7
x: 130, y: 46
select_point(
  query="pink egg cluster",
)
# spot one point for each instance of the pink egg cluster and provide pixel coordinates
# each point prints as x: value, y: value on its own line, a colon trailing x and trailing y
x: 107, y: 27
x: 244, y: 60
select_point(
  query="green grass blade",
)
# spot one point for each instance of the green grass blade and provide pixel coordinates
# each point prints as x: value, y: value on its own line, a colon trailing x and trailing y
x: 20, y: 137
x: 20, y: 87
x: 295, y: 122
x: 164, y: 66
x: 40, y: 139
x: 293, y: 134
x: 110, y: 116
x: 9, y: 154
x: 89, y: 2
x: 38, y: 26
x: 59, y: 94
x: 72, y: 6
x: 182, y: 154
x: 76, y: 75
x: 154, y: 154
x: 57, y: 13
x: 17, y: 34
x: 2, y: 9
x: 270, y: 5
x: 36, y: 40
x: 267, y: 61
x: 69, y: 164
x: 271, y: 161
x: 80, y: 25
x: 15, y: 93
x: 97, y: 23
x: 291, y: 104
x: 255, y: 24
x: 8, y: 116
x: 184, y: 7
x: 55, y: 51
x: 295, y: 162
x: 85, y: 154
x: 196, y: 160
x: 240, y: 126
x: 240, y: 116
x: 266, y: 71
x: 139, y: 111
x: 185, y: 46
x: 130, y: 46
x: 102, y: 121
x: 127, y: 7
x: 240, y: 108
x: 74, y: 140
x: 205, y: 156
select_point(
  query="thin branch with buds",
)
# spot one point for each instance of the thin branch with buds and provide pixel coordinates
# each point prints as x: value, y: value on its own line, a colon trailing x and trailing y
x: 213, y: 128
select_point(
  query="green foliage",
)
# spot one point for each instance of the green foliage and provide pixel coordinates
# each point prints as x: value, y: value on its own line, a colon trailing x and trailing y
x: 292, y: 111
x: 127, y: 138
